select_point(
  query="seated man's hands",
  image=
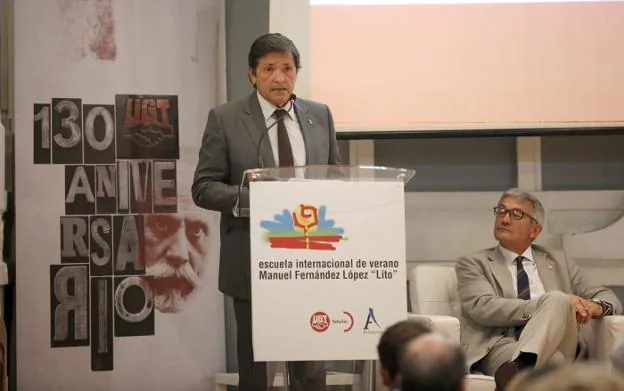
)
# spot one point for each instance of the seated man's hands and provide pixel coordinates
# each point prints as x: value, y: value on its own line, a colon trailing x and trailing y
x: 585, y: 310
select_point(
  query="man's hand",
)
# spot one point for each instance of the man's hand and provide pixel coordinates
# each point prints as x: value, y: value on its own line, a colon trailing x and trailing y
x: 596, y: 309
x: 585, y: 310
x: 582, y: 309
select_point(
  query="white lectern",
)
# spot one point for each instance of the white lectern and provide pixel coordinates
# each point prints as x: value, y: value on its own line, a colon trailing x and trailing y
x: 327, y: 259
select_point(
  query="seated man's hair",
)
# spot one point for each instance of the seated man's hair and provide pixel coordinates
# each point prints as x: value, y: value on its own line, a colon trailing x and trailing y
x: 394, y: 338
x: 433, y: 363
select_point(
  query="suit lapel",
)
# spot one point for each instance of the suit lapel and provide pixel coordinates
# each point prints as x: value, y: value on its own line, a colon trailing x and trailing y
x: 307, y: 124
x: 256, y: 126
x: 501, y: 273
x: 545, y: 269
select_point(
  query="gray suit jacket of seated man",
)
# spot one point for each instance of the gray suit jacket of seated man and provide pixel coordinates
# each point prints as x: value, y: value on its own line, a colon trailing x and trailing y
x: 490, y: 308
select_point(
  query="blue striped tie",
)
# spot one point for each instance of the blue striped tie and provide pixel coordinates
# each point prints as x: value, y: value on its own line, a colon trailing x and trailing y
x: 524, y: 291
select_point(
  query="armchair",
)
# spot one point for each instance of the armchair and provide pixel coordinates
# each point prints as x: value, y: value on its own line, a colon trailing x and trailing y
x: 433, y: 295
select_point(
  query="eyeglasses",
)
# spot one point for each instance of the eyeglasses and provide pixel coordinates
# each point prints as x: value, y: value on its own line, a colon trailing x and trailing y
x: 516, y: 214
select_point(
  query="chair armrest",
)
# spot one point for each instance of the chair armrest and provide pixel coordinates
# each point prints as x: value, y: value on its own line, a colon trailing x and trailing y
x: 608, y: 333
x: 480, y: 383
x: 443, y: 324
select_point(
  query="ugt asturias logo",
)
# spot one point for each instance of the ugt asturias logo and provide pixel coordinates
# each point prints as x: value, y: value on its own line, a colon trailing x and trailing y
x: 319, y: 321
x: 305, y: 227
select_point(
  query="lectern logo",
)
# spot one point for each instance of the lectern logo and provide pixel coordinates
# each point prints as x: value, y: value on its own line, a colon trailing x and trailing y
x: 371, y: 320
x: 346, y: 322
x: 304, y: 227
x: 319, y: 321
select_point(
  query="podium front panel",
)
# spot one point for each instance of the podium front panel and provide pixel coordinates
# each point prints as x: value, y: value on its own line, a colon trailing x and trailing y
x: 328, y: 268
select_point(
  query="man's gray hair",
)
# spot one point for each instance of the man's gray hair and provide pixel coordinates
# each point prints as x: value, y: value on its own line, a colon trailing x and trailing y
x: 538, y: 209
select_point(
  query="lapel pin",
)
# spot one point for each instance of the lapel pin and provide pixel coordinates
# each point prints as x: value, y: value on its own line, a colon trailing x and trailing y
x: 310, y: 121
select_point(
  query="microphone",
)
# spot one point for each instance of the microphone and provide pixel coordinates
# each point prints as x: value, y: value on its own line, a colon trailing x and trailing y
x: 259, y: 161
x: 236, y: 210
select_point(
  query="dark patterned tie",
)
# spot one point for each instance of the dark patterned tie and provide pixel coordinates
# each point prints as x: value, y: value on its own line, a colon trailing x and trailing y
x: 284, y: 150
x: 524, y: 291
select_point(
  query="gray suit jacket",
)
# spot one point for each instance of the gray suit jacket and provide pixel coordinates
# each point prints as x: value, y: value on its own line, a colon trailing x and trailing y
x: 489, y: 307
x: 229, y: 147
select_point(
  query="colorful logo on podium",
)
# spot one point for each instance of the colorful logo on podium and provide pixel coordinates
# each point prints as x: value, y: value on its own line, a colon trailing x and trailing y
x: 306, y: 227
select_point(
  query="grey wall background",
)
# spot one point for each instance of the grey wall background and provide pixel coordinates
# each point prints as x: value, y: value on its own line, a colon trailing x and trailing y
x: 245, y: 20
x: 594, y: 162
x: 453, y: 164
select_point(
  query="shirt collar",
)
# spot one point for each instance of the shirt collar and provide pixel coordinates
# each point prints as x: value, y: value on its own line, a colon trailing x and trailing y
x: 510, y: 256
x: 269, y: 108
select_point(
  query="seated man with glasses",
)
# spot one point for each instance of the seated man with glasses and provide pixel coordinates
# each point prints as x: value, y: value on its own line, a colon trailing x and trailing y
x: 522, y: 305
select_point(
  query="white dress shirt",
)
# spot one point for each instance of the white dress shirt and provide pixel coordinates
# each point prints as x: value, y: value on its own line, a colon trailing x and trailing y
x: 293, y: 129
x: 535, y: 282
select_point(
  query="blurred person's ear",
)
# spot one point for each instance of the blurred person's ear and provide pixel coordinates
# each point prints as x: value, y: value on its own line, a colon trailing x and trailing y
x: 462, y: 385
x: 396, y: 382
x: 385, y: 377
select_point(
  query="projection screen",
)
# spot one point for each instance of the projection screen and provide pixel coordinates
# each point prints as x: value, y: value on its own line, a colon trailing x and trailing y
x: 455, y: 65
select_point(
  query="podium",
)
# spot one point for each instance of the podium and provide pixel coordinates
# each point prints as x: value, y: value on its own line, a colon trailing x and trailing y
x: 328, y: 259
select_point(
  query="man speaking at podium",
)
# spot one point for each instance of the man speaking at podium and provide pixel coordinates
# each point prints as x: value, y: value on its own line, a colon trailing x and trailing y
x: 269, y: 128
